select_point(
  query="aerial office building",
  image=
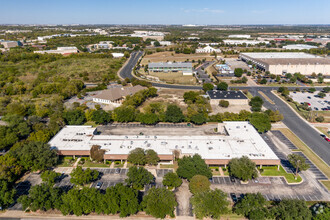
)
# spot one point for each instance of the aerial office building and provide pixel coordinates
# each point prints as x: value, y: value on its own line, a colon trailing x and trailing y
x: 233, y: 140
x: 280, y: 63
x: 185, y: 68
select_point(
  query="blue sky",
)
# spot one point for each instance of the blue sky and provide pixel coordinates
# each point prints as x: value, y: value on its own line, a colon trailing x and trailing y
x: 221, y: 12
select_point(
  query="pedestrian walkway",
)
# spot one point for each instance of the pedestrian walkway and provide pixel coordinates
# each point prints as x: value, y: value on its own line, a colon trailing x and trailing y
x: 76, y: 163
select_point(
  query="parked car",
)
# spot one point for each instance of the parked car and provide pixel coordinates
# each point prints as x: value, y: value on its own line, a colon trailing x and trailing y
x: 308, y: 103
x: 233, y: 197
x: 232, y: 179
x: 327, y: 139
x: 98, y: 185
x: 323, y: 135
x: 308, y: 97
x: 316, y: 108
x: 117, y: 171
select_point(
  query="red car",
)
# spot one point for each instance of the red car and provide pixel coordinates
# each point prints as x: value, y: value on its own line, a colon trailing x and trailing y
x: 308, y: 103
x: 327, y: 139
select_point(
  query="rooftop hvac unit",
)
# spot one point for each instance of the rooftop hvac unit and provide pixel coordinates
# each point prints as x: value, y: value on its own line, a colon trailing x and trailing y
x: 210, y: 148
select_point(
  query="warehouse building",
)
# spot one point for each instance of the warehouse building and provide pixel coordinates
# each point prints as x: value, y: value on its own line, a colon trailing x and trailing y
x: 246, y: 42
x: 299, y: 47
x: 185, y: 68
x: 208, y: 49
x: 240, y: 36
x: 233, y: 97
x: 233, y: 140
x: 280, y: 63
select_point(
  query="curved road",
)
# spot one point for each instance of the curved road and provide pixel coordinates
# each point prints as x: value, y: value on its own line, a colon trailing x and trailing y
x: 303, y: 130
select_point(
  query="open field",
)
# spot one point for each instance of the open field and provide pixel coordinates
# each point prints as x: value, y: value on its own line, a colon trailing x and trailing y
x: 306, y: 150
x: 326, y: 183
x: 172, y: 56
x: 173, y: 77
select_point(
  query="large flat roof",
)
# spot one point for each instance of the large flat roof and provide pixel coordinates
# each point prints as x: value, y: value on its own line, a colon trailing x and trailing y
x: 218, y: 94
x: 279, y: 55
x: 241, y: 140
x: 169, y: 65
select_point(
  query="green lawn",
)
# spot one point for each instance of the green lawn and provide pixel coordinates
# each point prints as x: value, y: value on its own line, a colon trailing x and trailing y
x: 89, y: 163
x: 166, y: 166
x: 272, y: 171
x: 326, y: 183
x: 66, y: 161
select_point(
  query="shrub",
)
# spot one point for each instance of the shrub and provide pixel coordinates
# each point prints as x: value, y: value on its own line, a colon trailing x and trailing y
x: 224, y: 103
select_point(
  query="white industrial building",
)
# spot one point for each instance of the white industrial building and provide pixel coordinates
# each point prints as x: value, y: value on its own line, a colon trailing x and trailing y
x: 117, y: 55
x: 233, y: 140
x: 165, y: 43
x: 60, y: 50
x: 299, y: 47
x: 186, y: 68
x: 247, y: 42
x: 208, y: 49
x: 280, y: 63
x: 240, y: 36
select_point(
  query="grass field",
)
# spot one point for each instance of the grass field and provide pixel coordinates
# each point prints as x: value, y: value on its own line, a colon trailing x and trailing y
x: 89, y: 163
x: 172, y: 56
x: 86, y: 69
x: 272, y: 171
x: 175, y: 78
x: 306, y: 150
x: 66, y: 161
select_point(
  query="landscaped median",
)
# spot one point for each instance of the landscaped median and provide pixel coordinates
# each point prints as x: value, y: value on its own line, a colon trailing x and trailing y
x: 273, y: 171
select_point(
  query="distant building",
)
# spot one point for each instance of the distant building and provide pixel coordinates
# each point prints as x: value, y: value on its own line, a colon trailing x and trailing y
x: 288, y: 62
x: 104, y: 45
x: 155, y: 35
x: 233, y: 97
x: 209, y: 44
x: 299, y: 47
x: 165, y: 43
x: 60, y: 50
x: 208, y: 49
x: 117, y: 55
x: 240, y: 36
x: 185, y: 68
x: 117, y: 95
x: 247, y: 42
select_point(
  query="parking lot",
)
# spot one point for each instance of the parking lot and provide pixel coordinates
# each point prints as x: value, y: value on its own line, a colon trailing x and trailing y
x: 312, y: 168
x: 316, y: 103
x: 284, y: 139
x: 162, y: 172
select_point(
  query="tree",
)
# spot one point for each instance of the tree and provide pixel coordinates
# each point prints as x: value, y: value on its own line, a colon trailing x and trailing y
x: 148, y: 118
x: 238, y: 72
x: 263, y: 81
x: 252, y: 206
x: 42, y: 197
x: 137, y: 157
x: 211, y: 203
x: 278, y: 78
x: 208, y: 87
x: 260, y: 121
x: 322, y: 94
x: 82, y: 177
x: 191, y: 166
x: 311, y: 90
x: 190, y: 97
x: 319, y: 119
x: 224, y: 103
x: 320, y: 79
x: 124, y: 114
x: 298, y: 162
x: 173, y: 114
x: 97, y: 153
x: 199, y: 184
x: 49, y: 177
x: 156, y: 44
x: 151, y: 157
x: 243, y: 168
x: 36, y: 156
x: 101, y: 117
x: 138, y: 177
x: 172, y: 180
x: 198, y: 119
x: 321, y: 211
x: 74, y: 117
x: 222, y: 86
x: 288, y: 209
x: 274, y: 116
x: 126, y: 54
x: 256, y: 103
x: 159, y: 202
x: 7, y: 194
x: 326, y: 89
